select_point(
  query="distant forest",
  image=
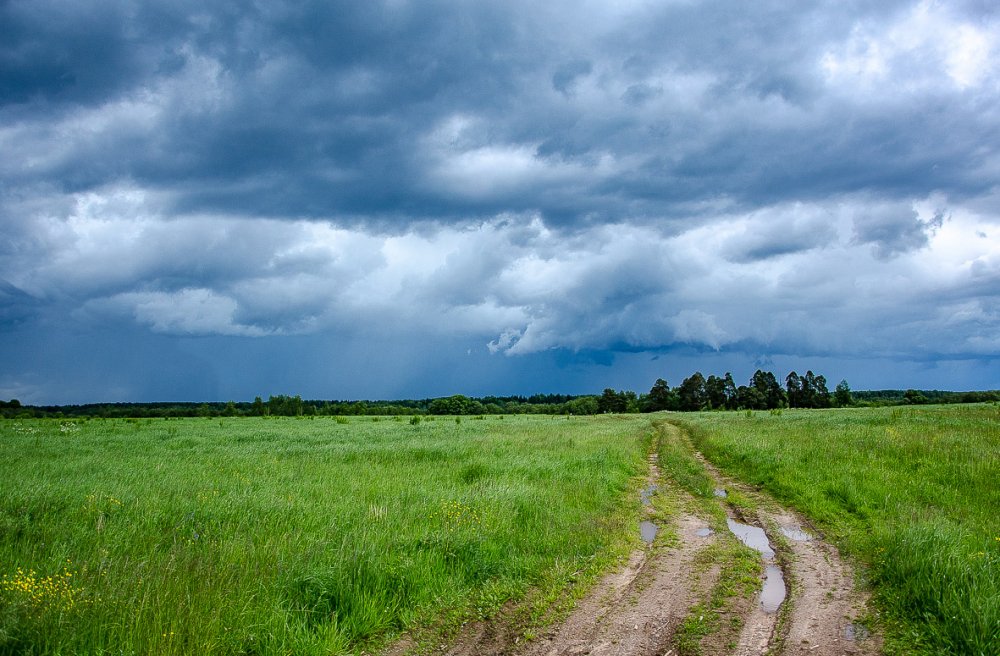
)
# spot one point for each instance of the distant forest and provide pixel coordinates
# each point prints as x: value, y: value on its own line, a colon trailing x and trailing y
x: 763, y: 392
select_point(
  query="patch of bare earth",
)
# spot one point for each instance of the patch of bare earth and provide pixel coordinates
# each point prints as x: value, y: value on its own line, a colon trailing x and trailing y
x: 825, y: 603
x: 638, y: 609
x: 820, y: 615
x: 633, y: 611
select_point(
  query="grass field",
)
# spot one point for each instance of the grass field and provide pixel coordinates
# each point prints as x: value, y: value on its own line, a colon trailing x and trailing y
x: 297, y: 536
x: 912, y: 492
x: 329, y: 535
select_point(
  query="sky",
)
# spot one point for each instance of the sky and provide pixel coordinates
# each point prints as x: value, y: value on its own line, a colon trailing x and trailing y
x: 395, y: 199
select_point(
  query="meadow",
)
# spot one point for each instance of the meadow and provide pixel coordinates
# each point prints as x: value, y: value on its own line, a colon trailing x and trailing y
x: 333, y: 535
x: 299, y: 536
x: 913, y: 493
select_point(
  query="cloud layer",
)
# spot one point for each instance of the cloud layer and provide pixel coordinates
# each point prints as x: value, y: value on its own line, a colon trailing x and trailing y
x: 591, y: 179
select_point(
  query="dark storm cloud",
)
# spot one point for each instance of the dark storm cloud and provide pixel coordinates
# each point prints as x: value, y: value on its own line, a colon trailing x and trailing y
x: 894, y: 229
x: 782, y: 231
x: 16, y: 306
x: 329, y: 109
x: 54, y: 53
x: 297, y: 109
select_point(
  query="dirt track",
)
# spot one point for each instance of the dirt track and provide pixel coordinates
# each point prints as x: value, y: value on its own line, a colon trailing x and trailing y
x: 823, y: 606
x: 640, y: 609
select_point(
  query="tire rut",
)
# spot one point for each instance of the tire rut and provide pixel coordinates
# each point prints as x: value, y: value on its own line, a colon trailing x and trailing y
x: 643, y: 618
x: 822, y: 603
x: 637, y: 610
x: 634, y: 611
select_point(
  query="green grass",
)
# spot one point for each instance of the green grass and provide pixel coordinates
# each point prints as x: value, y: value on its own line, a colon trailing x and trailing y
x: 913, y: 493
x: 678, y: 463
x: 295, y: 536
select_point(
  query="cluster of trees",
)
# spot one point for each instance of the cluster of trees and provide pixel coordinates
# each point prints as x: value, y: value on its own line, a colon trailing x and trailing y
x: 457, y: 404
x: 762, y: 393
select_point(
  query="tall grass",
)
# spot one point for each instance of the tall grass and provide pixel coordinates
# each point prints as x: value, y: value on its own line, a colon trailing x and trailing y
x: 262, y: 536
x: 913, y: 492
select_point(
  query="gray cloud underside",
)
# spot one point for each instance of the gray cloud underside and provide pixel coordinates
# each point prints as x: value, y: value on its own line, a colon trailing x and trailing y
x: 756, y: 177
x: 446, y: 111
x: 794, y: 279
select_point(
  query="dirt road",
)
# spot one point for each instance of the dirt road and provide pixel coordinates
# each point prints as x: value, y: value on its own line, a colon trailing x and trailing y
x: 679, y: 593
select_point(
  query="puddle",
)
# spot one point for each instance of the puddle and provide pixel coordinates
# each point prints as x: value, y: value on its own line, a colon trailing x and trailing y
x: 704, y: 532
x: 795, y: 533
x: 753, y: 537
x: 855, y: 632
x: 720, y: 493
x: 773, y: 592
x: 646, y: 495
x: 647, y: 531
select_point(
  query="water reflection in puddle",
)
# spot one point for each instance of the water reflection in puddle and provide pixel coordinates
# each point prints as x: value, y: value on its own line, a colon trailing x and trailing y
x: 753, y: 537
x: 773, y: 592
x: 647, y: 531
x: 704, y: 532
x: 795, y: 533
x: 646, y: 495
x: 720, y: 493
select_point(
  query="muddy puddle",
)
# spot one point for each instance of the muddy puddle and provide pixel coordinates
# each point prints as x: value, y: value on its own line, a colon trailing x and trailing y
x: 647, y: 531
x: 796, y: 533
x: 753, y: 537
x: 646, y: 495
x: 773, y: 592
x: 722, y: 494
x: 704, y: 532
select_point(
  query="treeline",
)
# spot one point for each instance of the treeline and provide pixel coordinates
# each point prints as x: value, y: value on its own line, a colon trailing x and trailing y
x: 457, y: 404
x: 291, y: 406
x: 763, y: 392
x: 921, y: 397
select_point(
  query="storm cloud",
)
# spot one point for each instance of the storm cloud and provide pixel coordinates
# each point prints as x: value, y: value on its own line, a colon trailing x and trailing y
x: 543, y: 197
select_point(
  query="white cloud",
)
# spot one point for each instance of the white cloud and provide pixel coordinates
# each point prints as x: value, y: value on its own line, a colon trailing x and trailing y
x: 925, y: 45
x: 507, y: 339
x: 464, y: 161
x: 697, y: 327
x: 184, y: 312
